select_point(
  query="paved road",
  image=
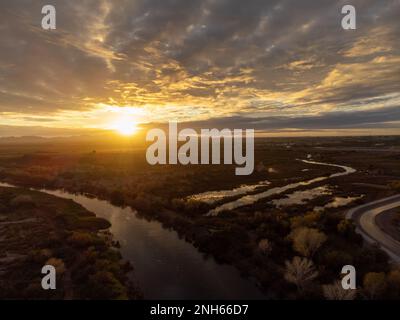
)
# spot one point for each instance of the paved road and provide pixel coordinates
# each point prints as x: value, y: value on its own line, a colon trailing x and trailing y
x: 364, y: 217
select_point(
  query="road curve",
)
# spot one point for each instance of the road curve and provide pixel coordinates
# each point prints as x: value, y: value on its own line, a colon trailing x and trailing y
x: 365, y: 219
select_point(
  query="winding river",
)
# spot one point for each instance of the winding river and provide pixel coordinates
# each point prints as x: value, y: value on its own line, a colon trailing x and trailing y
x: 166, y: 267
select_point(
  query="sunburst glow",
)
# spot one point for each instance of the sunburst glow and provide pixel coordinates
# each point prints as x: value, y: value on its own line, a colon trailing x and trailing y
x: 125, y: 126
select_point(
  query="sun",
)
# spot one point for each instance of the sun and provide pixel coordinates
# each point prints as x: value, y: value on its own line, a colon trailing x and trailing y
x: 125, y: 126
x: 124, y: 120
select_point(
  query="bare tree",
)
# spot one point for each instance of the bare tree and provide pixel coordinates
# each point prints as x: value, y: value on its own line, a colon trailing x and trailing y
x: 335, y: 291
x: 307, y: 241
x: 300, y: 271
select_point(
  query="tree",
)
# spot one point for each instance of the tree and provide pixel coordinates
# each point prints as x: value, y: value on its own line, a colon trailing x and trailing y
x: 310, y: 219
x: 58, y: 264
x: 374, y: 284
x: 103, y: 285
x: 265, y: 246
x: 395, y: 185
x: 345, y: 227
x: 336, y: 259
x: 307, y: 241
x: 22, y: 200
x: 335, y: 291
x: 300, y: 271
x: 393, y: 280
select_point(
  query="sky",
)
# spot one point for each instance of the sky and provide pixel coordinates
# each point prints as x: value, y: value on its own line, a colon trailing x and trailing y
x: 278, y: 66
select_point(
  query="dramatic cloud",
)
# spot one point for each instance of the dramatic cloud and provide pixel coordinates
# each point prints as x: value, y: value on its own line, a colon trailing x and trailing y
x: 286, y: 63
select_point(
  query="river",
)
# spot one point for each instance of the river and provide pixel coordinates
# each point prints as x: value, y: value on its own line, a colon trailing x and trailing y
x: 165, y: 266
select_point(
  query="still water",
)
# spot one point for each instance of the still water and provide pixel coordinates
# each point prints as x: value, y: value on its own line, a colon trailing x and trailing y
x: 253, y: 198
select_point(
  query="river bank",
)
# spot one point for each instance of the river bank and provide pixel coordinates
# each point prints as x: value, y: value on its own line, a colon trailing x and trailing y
x: 38, y: 229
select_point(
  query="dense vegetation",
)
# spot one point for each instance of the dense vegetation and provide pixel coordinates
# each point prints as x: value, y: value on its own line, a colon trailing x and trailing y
x: 38, y: 229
